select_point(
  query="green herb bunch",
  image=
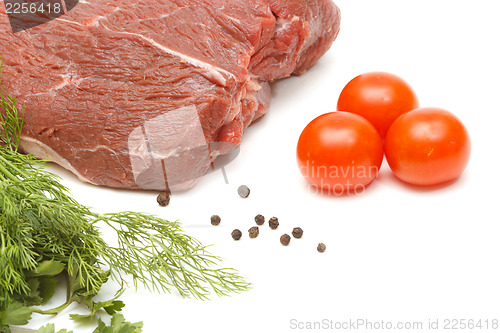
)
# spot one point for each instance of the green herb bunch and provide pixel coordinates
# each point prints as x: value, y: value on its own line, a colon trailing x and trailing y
x: 47, y: 237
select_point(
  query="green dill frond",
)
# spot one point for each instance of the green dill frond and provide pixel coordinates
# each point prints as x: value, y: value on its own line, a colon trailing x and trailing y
x: 11, y: 119
x: 160, y: 256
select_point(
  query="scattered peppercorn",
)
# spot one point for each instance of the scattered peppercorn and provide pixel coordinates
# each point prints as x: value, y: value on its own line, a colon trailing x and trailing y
x: 243, y: 191
x: 321, y: 247
x: 236, y: 234
x: 215, y: 219
x: 273, y: 223
x: 297, y: 232
x: 163, y: 199
x: 253, y: 232
x: 285, y: 239
x: 259, y: 219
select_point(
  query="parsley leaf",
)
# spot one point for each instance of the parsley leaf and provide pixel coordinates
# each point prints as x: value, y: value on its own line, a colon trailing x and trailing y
x: 15, y: 314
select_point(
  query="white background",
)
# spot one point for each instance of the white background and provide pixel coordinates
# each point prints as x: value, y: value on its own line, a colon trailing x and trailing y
x: 394, y: 253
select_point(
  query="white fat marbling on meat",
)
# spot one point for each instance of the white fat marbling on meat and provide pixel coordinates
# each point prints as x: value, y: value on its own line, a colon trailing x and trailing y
x: 213, y: 73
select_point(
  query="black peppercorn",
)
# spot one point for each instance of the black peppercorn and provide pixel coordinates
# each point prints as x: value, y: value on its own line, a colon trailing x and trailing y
x: 253, y: 232
x: 273, y: 223
x: 163, y: 199
x: 259, y: 219
x: 285, y: 239
x: 321, y: 247
x: 297, y: 232
x: 243, y: 191
x: 215, y: 219
x: 236, y: 234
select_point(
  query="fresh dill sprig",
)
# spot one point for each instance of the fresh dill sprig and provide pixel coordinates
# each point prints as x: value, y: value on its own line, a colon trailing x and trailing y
x: 160, y: 256
x: 12, y: 119
x: 45, y: 233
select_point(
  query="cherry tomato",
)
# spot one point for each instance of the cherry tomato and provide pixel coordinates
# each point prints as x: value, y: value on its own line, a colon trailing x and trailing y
x: 339, y: 152
x: 427, y: 146
x: 379, y: 97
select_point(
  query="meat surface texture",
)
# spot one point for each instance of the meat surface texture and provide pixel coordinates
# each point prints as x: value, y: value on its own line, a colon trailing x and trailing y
x: 146, y: 94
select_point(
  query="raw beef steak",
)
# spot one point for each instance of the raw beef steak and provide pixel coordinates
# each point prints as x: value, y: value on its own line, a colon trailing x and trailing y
x: 145, y: 94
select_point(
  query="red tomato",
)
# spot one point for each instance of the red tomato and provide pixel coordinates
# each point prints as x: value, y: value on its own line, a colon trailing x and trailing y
x: 427, y: 146
x: 379, y: 97
x: 339, y: 152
